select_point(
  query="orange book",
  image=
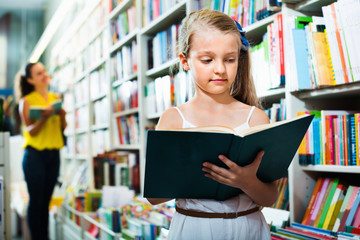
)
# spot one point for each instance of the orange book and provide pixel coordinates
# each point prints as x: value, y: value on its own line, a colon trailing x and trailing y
x: 314, y: 194
x: 340, y: 44
x: 321, y: 57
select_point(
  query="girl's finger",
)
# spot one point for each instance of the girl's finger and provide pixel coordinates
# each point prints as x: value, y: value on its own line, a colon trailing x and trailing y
x: 227, y: 161
x: 208, y: 167
x: 217, y: 177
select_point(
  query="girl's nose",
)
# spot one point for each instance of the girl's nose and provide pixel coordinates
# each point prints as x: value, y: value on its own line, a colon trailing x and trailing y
x: 219, y: 67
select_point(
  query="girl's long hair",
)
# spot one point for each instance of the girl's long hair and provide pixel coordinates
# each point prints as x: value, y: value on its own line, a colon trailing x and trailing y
x: 22, y: 86
x: 243, y: 88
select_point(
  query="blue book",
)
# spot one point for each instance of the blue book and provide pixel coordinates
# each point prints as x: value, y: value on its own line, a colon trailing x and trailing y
x: 312, y: 229
x: 352, y: 212
x: 352, y: 141
x: 301, y: 57
x: 35, y: 111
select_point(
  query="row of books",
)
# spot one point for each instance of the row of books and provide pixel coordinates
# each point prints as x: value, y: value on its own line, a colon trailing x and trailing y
x: 245, y: 12
x: 270, y: 55
x: 332, y: 138
x: 126, y: 130
x: 119, y: 168
x: 311, y: 55
x: 91, y: 55
x: 100, y: 142
x: 100, y: 113
x: 277, y: 111
x: 282, y: 201
x: 140, y: 220
x: 167, y: 91
x: 81, y: 92
x: 124, y: 24
x: 321, y: 47
x: 342, y: 30
x: 333, y: 205
x: 98, y: 82
x: 163, y: 47
x: 82, y: 118
x: 70, y: 123
x: 81, y: 144
x: 304, y: 232
x: 95, y: 21
x: 124, y: 62
x: 125, y: 96
x: 153, y: 9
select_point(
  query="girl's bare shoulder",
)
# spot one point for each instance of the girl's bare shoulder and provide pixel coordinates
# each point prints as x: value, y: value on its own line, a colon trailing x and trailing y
x: 170, y: 119
x: 258, y: 117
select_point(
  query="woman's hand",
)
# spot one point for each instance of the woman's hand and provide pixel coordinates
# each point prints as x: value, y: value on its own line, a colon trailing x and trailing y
x: 47, y: 112
x: 235, y: 176
x: 61, y: 112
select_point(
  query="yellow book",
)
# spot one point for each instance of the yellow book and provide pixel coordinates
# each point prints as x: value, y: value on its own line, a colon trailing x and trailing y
x: 322, y: 65
x: 335, y: 200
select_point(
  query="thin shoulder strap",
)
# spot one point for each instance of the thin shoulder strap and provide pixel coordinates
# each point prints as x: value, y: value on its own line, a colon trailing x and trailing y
x: 250, y: 113
x: 181, y: 115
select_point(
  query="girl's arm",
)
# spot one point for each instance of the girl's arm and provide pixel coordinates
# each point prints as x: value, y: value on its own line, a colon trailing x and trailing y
x: 169, y: 119
x: 264, y: 194
x: 31, y: 126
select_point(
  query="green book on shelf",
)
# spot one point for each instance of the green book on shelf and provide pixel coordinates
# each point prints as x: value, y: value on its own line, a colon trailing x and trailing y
x: 35, y: 111
x: 174, y: 157
x: 327, y: 200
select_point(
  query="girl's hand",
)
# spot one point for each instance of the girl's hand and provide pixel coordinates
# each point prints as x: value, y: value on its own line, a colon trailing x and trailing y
x: 47, y: 112
x: 235, y: 176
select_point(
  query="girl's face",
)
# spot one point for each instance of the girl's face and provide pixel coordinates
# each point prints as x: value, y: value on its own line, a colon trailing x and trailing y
x: 39, y: 76
x: 213, y: 61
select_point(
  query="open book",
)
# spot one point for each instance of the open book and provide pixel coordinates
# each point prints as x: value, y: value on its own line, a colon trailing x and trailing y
x: 35, y: 111
x: 174, y: 157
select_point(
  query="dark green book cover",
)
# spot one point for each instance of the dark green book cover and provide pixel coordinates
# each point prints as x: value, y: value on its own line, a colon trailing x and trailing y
x: 174, y: 158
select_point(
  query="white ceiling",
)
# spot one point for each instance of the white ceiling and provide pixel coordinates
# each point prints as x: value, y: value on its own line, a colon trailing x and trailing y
x: 19, y: 4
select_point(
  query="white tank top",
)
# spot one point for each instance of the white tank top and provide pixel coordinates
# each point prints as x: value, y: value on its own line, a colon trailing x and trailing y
x: 245, y: 125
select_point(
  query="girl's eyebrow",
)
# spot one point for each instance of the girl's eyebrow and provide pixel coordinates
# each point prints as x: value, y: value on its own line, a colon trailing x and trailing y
x: 210, y: 52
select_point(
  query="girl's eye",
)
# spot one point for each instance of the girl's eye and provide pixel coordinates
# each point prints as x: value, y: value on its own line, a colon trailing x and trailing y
x: 206, y: 60
x: 230, y: 60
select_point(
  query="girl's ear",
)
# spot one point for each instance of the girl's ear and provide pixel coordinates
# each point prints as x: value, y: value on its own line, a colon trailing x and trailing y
x: 29, y: 80
x: 184, y: 62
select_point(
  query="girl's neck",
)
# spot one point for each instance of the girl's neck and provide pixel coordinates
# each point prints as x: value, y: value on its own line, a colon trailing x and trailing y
x: 213, y: 100
x: 42, y: 91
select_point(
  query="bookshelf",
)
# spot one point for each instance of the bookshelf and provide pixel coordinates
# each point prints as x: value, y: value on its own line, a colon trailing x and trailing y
x: 301, y: 178
x: 5, y: 210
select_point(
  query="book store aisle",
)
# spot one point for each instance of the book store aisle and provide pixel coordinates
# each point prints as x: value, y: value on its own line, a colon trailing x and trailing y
x: 83, y: 84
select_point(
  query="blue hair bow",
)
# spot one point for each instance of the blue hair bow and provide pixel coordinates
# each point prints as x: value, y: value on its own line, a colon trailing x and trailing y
x: 245, y: 43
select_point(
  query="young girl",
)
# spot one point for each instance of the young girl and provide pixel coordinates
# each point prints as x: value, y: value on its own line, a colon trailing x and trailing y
x: 43, y: 139
x: 215, y: 51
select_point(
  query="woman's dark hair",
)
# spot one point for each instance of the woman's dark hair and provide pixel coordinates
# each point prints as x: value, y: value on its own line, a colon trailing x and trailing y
x: 23, y: 86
